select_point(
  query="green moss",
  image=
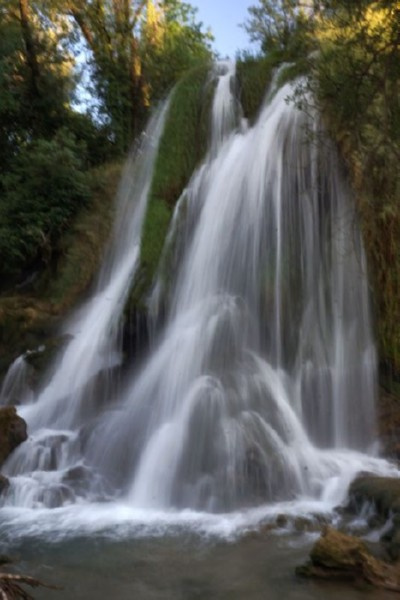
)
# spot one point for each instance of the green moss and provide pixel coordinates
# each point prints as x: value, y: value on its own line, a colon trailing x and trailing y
x: 254, y: 74
x: 182, y: 147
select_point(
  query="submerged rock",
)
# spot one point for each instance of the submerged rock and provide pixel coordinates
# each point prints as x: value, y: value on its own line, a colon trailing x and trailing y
x: 12, y: 431
x: 340, y: 556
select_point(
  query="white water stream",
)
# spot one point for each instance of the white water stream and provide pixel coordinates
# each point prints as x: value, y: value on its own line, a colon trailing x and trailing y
x: 258, y: 395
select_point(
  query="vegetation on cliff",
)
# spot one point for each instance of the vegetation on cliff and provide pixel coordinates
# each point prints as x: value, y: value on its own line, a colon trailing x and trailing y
x: 182, y: 146
x: 357, y: 85
x: 62, y: 138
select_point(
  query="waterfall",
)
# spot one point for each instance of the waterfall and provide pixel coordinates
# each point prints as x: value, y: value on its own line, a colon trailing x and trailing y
x: 15, y: 388
x: 267, y: 357
x: 261, y: 379
x: 93, y: 348
x: 78, y: 380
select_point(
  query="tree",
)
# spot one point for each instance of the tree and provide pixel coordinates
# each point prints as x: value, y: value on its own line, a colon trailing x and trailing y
x: 281, y: 26
x: 43, y: 190
x: 172, y: 43
x: 42, y: 181
x: 128, y: 42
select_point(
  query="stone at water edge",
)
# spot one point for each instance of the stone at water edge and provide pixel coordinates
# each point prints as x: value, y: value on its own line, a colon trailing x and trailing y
x: 13, y: 431
x: 383, y: 495
x: 340, y: 556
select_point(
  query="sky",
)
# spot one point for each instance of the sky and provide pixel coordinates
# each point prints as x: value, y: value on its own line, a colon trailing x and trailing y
x: 223, y: 17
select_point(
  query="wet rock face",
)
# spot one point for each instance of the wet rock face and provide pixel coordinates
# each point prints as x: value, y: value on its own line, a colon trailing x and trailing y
x: 391, y: 539
x: 389, y: 424
x: 4, y: 485
x: 12, y: 431
x: 339, y: 556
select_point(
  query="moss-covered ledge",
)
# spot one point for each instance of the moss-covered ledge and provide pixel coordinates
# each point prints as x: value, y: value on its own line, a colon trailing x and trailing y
x: 182, y: 147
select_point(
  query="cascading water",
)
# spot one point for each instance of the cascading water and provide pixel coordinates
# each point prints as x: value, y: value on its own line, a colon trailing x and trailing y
x: 16, y: 385
x: 73, y: 392
x: 260, y: 386
x: 94, y: 330
x: 267, y: 355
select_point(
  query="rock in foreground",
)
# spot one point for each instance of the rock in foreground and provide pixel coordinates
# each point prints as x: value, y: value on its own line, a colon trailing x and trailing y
x: 339, y: 556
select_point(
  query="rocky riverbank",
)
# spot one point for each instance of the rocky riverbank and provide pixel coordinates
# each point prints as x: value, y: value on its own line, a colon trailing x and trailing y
x: 338, y: 555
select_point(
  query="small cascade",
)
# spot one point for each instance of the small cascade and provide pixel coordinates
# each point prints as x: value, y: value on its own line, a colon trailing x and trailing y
x: 16, y: 387
x: 226, y: 112
x: 226, y: 118
x: 82, y: 376
x: 260, y: 383
x: 94, y: 329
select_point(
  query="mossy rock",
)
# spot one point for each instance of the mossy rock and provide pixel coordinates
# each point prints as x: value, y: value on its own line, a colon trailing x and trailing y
x: 254, y: 75
x: 337, y: 550
x: 382, y: 492
x: 25, y: 323
x: 12, y: 431
x: 337, y: 556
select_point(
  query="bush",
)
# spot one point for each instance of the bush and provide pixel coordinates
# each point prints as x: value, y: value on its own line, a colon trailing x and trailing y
x: 41, y: 194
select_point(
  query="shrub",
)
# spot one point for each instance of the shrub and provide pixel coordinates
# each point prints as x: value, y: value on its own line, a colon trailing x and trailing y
x: 41, y: 194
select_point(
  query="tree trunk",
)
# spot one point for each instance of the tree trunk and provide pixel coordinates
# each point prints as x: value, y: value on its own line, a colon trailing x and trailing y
x: 31, y: 57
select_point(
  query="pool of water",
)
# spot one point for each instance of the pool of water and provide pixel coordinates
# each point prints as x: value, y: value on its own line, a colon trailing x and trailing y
x: 179, y: 565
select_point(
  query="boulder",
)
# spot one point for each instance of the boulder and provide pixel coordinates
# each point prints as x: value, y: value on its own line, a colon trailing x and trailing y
x: 383, y: 493
x: 12, y: 431
x: 340, y: 556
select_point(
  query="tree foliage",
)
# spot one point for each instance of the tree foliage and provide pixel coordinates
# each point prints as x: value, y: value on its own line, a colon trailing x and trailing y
x: 137, y: 49
x: 281, y: 26
x: 357, y: 86
x: 43, y: 191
